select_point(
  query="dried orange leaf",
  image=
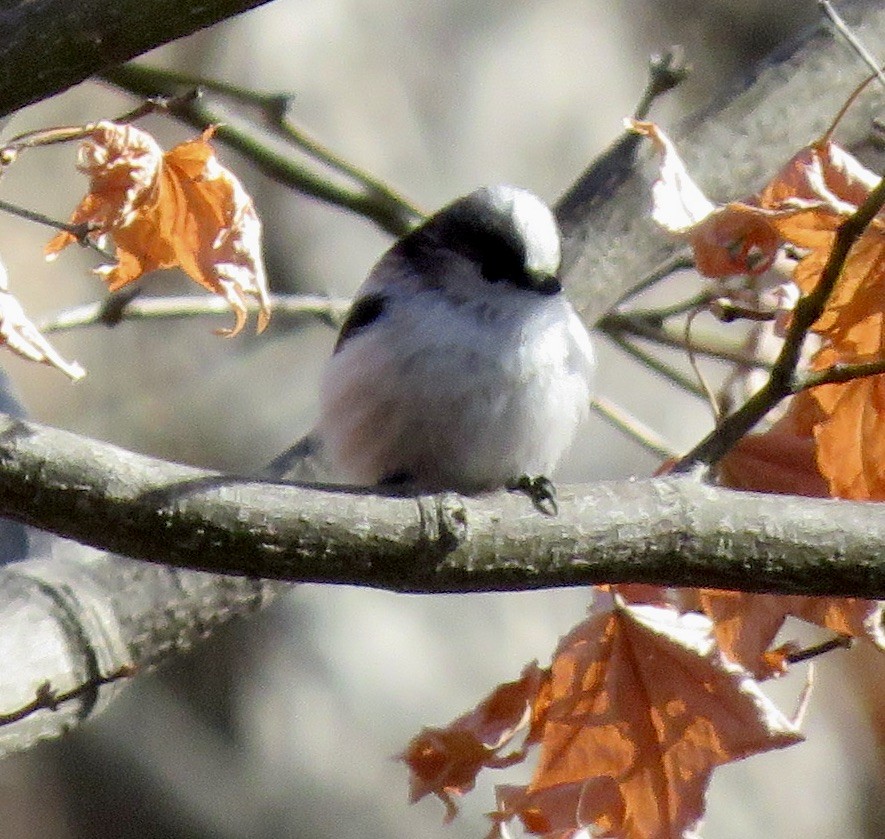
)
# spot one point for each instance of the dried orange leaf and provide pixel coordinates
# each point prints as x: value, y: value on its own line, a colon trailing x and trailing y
x: 21, y: 336
x: 446, y: 761
x: 643, y: 708
x: 182, y: 208
x: 804, y: 204
x: 746, y: 624
x: 779, y: 460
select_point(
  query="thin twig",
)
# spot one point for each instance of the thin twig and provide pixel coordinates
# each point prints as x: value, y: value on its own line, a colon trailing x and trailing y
x: 79, y: 231
x: 619, y: 323
x: 329, y: 310
x: 843, y: 29
x: 633, y: 428
x: 48, y: 699
x: 275, y: 108
x: 666, y: 71
x: 382, y: 206
x: 781, y: 381
x: 610, y: 169
x: 680, y: 261
x: 157, y: 104
x: 840, y: 642
x: 839, y: 374
x: 652, y: 363
x: 659, y: 314
x: 725, y: 311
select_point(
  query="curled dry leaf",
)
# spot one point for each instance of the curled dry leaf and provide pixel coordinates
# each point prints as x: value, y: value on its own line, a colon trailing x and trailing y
x: 182, y: 208
x: 446, y: 761
x: 21, y: 336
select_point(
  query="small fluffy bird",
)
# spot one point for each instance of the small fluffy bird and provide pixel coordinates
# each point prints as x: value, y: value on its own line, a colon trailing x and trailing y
x: 461, y: 365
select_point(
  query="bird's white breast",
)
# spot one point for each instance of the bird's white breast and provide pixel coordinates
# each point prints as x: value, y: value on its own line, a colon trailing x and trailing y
x: 457, y: 394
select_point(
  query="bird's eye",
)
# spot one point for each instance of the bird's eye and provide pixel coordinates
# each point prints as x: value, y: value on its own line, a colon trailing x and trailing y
x: 499, y: 262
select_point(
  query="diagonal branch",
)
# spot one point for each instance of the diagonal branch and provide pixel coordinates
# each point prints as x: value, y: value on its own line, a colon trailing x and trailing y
x: 781, y: 381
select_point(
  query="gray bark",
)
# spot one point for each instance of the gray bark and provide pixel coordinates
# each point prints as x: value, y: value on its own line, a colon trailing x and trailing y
x: 673, y: 531
x: 73, y: 616
x: 48, y: 46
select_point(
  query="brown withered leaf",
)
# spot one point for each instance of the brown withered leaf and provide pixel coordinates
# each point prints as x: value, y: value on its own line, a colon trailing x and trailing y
x: 642, y: 708
x: 182, y: 208
x: 803, y: 205
x: 746, y: 624
x: 446, y: 761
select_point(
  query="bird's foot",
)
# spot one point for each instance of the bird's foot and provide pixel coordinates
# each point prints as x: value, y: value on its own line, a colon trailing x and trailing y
x: 540, y: 490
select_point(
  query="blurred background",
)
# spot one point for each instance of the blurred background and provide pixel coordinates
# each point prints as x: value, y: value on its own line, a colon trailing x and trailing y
x: 284, y: 725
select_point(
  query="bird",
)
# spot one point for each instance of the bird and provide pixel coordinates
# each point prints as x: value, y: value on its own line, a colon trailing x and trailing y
x: 461, y: 365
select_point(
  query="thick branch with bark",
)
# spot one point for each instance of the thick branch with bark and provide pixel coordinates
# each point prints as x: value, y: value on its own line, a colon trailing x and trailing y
x: 670, y: 531
x: 731, y: 150
x: 47, y: 47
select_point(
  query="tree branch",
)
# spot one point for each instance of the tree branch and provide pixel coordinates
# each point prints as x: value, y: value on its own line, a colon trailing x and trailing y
x: 669, y: 531
x: 70, y: 621
x: 731, y: 149
x: 47, y: 47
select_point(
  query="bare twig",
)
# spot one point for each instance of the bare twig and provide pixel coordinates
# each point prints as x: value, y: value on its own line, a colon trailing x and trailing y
x: 330, y: 310
x: 275, y: 108
x: 682, y: 260
x: 48, y: 699
x: 79, y: 231
x: 652, y: 363
x: 845, y: 31
x: 839, y: 374
x: 840, y: 642
x: 611, y: 168
x: 369, y: 198
x: 726, y: 311
x: 633, y: 428
x: 659, y: 314
x: 620, y: 323
x: 665, y: 71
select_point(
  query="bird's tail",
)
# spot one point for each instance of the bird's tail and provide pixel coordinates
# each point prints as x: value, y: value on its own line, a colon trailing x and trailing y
x: 302, y: 461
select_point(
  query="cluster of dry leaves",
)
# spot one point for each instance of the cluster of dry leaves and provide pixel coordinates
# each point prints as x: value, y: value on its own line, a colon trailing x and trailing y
x: 180, y: 208
x: 655, y: 689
